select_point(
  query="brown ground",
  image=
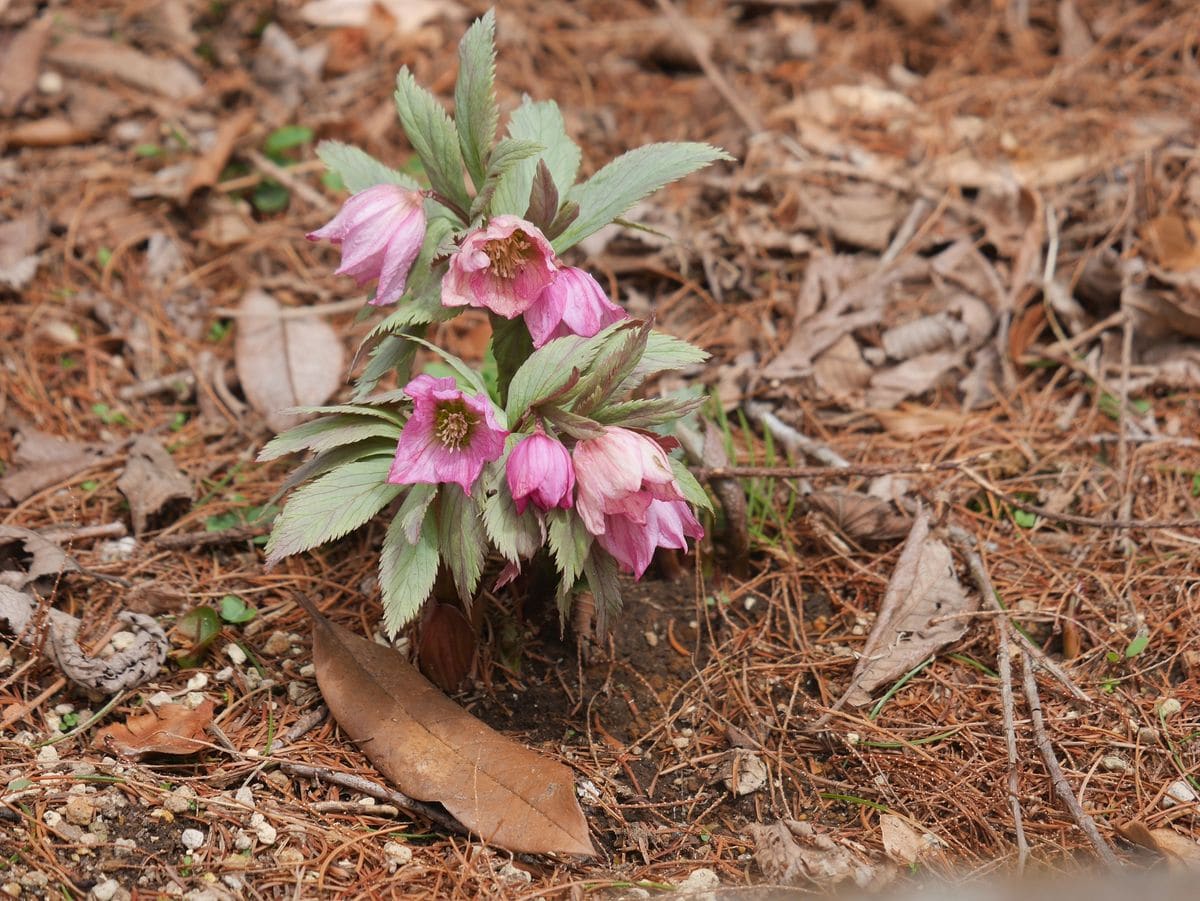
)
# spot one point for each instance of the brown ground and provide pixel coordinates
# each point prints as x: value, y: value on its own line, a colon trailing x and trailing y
x: 977, y: 145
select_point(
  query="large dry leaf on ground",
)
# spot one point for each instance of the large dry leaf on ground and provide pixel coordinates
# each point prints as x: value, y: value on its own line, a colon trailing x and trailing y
x: 923, y: 611
x: 108, y: 59
x: 911, y: 378
x: 19, y: 240
x: 793, y: 853
x: 433, y: 750
x: 861, y: 517
x: 169, y: 729
x: 1181, y: 852
x: 408, y: 15
x: 41, y: 460
x: 151, y: 481
x: 285, y: 361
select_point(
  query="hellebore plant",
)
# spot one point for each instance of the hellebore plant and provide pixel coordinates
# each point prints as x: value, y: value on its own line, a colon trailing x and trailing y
x: 548, y: 447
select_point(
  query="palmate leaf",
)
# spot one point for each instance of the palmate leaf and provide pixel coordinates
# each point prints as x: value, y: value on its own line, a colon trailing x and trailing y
x: 326, y: 433
x: 663, y: 352
x: 508, y: 153
x: 391, y: 353
x: 407, y: 572
x: 542, y: 123
x: 359, y: 170
x: 643, y: 413
x: 461, y: 538
x: 412, y: 511
x: 333, y: 459
x: 334, y: 505
x: 629, y: 178
x: 514, y: 535
x: 433, y: 136
x: 475, y: 111
x: 550, y: 367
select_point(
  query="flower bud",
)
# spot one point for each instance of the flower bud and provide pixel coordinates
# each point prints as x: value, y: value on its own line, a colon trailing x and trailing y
x: 539, y: 469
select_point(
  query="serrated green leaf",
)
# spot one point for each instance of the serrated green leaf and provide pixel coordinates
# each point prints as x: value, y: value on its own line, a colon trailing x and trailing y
x: 433, y: 136
x: 332, y: 459
x: 514, y: 535
x: 550, y: 367
x: 391, y: 353
x: 407, y: 573
x: 600, y: 570
x: 462, y: 539
x: 690, y: 486
x: 334, y: 505
x: 510, y: 346
x: 569, y: 542
x: 508, y: 153
x: 349, y: 409
x: 578, y: 427
x: 613, y: 364
x: 643, y: 413
x: 475, y: 111
x: 541, y: 122
x: 359, y: 170
x: 412, y: 510
x: 326, y: 433
x: 629, y: 178
x: 662, y: 352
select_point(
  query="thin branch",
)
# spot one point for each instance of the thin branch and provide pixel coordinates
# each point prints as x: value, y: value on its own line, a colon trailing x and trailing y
x: 1061, y: 787
x: 1004, y: 665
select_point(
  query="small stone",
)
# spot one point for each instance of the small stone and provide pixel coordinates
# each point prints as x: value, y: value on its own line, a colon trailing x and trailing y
x: 12, y: 889
x: 48, y: 754
x: 1169, y: 707
x: 64, y: 709
x: 242, y: 840
x: 308, y: 671
x: 744, y: 773
x: 179, y: 800
x: 125, y: 846
x: 511, y: 874
x: 235, y: 653
x: 79, y: 810
x: 120, y: 549
x: 35, y: 879
x: 194, y: 699
x: 244, y: 795
x: 1178, y: 792
x: 1113, y: 763
x: 587, y: 792
x: 224, y: 674
x: 265, y: 831
x: 122, y: 641
x: 106, y: 890
x: 52, y: 818
x: 197, y: 682
x: 278, y: 778
x: 651, y: 638
x: 700, y: 880
x: 680, y: 742
x: 159, y: 698
x: 397, y: 854
x: 289, y: 857
x: 277, y: 644
x: 191, y: 839
x: 1147, y: 735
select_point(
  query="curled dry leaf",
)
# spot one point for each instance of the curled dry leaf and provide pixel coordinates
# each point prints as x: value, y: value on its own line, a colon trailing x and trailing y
x: 170, y: 729
x: 36, y: 557
x: 107, y: 59
x: 861, y: 517
x: 901, y: 842
x: 285, y: 361
x: 1181, y: 852
x: 433, y: 750
x: 447, y: 646
x: 19, y: 240
x: 794, y: 853
x: 20, y: 63
x: 151, y: 481
x: 922, y: 611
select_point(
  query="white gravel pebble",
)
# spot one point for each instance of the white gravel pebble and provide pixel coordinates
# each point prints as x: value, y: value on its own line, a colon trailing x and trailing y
x: 106, y: 890
x: 235, y: 653
x: 48, y: 754
x: 1178, y: 792
x: 265, y: 831
x: 398, y: 855
x: 192, y: 839
x: 244, y: 795
x: 197, y: 682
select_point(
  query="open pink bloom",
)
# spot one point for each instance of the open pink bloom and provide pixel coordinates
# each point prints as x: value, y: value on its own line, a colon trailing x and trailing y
x: 503, y: 268
x: 573, y: 304
x: 380, y: 231
x: 629, y: 499
x: 448, y: 438
x: 539, y: 469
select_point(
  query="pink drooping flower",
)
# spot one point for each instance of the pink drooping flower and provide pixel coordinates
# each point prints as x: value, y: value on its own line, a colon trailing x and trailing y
x: 539, y: 469
x: 380, y: 231
x: 573, y: 304
x: 448, y: 437
x: 503, y: 268
x: 629, y: 499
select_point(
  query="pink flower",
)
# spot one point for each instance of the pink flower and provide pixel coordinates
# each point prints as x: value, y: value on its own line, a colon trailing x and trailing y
x: 629, y: 499
x: 540, y: 469
x: 503, y: 268
x: 380, y: 231
x: 448, y: 437
x: 573, y: 304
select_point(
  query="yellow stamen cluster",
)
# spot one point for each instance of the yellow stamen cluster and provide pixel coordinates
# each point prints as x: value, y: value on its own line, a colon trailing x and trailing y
x: 508, y: 255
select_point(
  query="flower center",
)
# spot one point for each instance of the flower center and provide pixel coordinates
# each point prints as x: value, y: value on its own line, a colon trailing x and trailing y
x: 508, y: 255
x: 453, y: 425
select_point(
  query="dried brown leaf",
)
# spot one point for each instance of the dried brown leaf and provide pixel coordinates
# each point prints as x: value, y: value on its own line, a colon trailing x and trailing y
x: 447, y: 649
x: 433, y: 750
x: 170, y: 729
x: 26, y: 556
x: 407, y: 15
x: 861, y: 517
x: 108, y: 59
x: 151, y: 481
x: 901, y: 842
x: 20, y: 63
x: 208, y: 168
x: 794, y: 853
x: 19, y: 240
x: 921, y: 613
x: 911, y: 378
x: 1180, y: 851
x: 284, y: 361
